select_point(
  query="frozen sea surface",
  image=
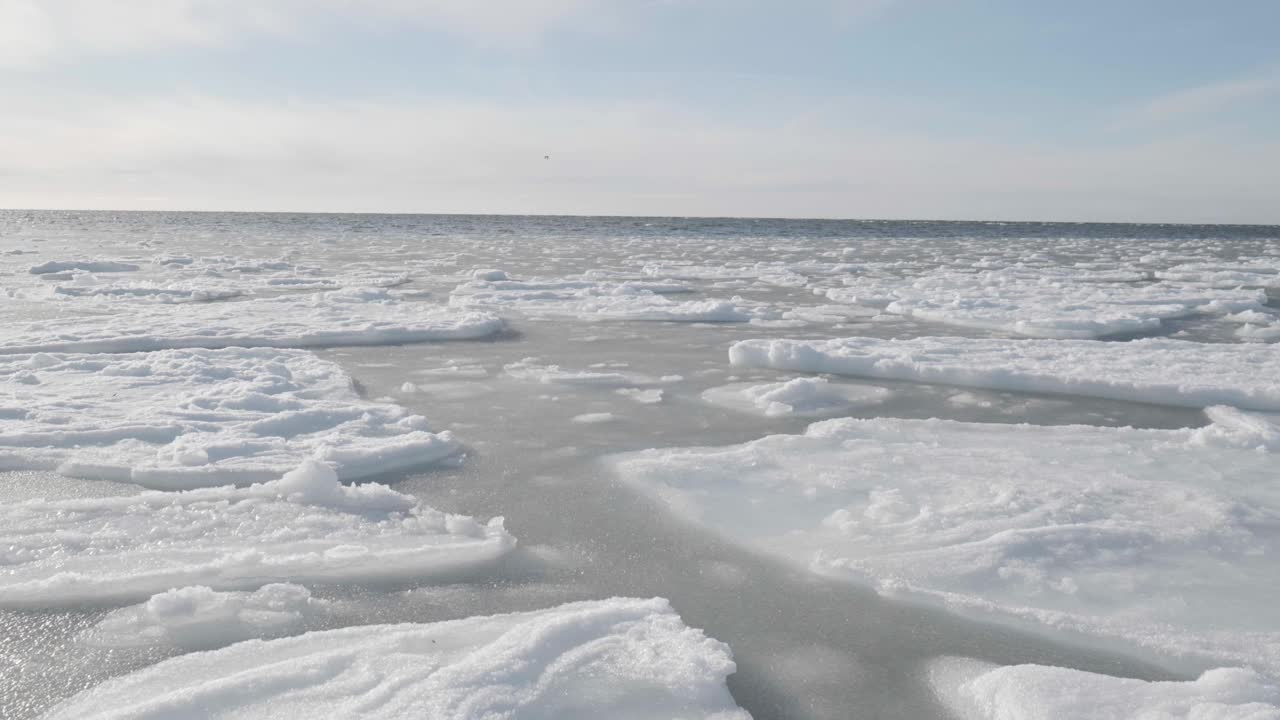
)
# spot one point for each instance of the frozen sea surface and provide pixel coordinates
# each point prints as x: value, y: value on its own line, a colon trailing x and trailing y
x: 1039, y: 483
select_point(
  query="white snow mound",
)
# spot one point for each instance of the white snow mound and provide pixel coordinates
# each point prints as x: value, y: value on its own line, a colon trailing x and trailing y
x: 621, y: 659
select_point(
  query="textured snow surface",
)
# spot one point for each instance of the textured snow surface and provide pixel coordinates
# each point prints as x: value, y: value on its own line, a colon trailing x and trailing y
x: 179, y: 419
x: 1156, y: 370
x: 340, y: 317
x: 975, y: 690
x: 621, y: 659
x: 530, y: 369
x: 198, y: 617
x: 304, y: 527
x: 1042, y: 302
x: 1163, y: 538
x: 597, y: 300
x: 801, y: 396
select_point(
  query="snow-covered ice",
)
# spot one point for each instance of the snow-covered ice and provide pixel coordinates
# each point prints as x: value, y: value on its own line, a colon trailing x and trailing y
x: 305, y: 527
x: 340, y: 317
x: 126, y: 354
x: 621, y: 659
x: 1155, y: 370
x: 531, y: 370
x: 799, y: 397
x: 178, y: 419
x: 976, y: 690
x: 199, y: 617
x: 1158, y: 538
x: 1040, y: 302
x: 598, y: 300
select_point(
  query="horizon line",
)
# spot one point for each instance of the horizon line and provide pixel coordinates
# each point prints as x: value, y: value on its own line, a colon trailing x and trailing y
x: 792, y: 218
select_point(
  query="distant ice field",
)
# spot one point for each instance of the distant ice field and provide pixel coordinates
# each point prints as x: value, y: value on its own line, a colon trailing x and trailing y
x: 381, y: 466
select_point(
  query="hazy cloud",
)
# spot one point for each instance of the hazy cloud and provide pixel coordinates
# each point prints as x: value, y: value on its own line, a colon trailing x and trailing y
x: 36, y: 32
x: 416, y: 155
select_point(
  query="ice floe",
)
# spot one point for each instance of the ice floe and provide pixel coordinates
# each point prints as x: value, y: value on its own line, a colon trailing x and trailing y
x: 530, y: 369
x: 976, y: 690
x: 1154, y: 370
x: 1041, y: 302
x: 619, y: 658
x: 305, y: 527
x: 199, y: 618
x: 179, y: 419
x: 1157, y: 538
x: 343, y: 317
x: 93, y: 266
x: 598, y: 300
x: 801, y: 396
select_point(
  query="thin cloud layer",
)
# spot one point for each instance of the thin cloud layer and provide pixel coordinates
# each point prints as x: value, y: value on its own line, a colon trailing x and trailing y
x: 39, y: 32
x: 201, y: 152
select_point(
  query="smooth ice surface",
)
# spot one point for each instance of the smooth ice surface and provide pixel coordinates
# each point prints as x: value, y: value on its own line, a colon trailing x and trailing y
x: 179, y: 419
x: 801, y: 396
x: 1156, y: 370
x: 304, y: 527
x: 981, y: 691
x: 1043, y: 302
x: 619, y: 658
x: 340, y: 317
x: 199, y: 617
x: 1159, y: 538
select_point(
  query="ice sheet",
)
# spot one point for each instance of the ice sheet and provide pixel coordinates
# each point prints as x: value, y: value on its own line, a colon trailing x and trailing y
x: 1155, y: 370
x: 1042, y: 302
x: 342, y: 317
x: 179, y: 419
x: 620, y: 659
x: 597, y: 300
x: 200, y: 618
x: 1158, y: 538
x: 302, y: 528
x: 980, y: 691
x: 798, y: 397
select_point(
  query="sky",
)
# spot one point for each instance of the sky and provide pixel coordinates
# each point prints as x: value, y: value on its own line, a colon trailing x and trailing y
x: 1142, y: 110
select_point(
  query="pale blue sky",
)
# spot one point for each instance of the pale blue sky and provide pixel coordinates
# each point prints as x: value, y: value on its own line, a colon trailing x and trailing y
x: 1137, y: 110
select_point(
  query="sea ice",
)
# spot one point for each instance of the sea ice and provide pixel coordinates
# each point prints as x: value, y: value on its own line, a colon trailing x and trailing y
x: 529, y: 369
x: 621, y: 659
x: 305, y: 527
x: 343, y: 317
x: 200, y: 618
x: 1160, y: 538
x: 178, y: 419
x: 597, y: 300
x: 976, y: 690
x: 1156, y: 370
x: 1040, y: 302
x: 644, y: 397
x: 798, y: 397
x: 93, y: 266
